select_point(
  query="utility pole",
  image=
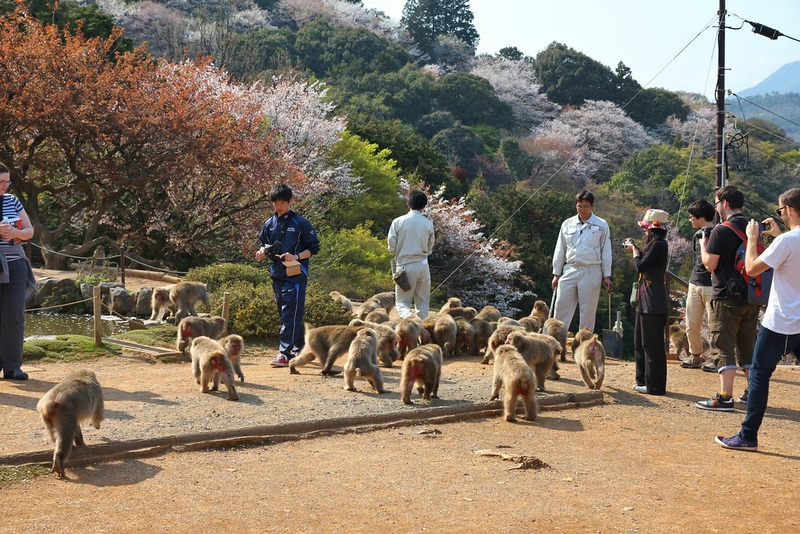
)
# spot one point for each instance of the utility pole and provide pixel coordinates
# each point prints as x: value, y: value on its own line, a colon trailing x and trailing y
x: 720, y: 138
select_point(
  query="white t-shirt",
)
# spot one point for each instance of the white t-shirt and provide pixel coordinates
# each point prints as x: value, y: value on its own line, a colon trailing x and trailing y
x: 782, y: 314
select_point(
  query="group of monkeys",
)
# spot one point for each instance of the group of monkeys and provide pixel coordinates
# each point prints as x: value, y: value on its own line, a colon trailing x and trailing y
x: 525, y: 352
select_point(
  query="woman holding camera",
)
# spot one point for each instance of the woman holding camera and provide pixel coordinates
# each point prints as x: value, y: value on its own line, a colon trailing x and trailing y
x: 652, y: 303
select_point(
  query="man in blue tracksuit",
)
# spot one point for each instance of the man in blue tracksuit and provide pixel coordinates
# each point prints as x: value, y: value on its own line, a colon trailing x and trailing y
x: 288, y: 239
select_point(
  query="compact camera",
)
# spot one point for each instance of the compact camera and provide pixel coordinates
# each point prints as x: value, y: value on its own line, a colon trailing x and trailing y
x: 273, y: 250
x: 627, y: 243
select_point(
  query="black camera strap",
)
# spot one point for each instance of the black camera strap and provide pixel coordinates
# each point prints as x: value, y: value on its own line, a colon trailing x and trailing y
x: 283, y: 228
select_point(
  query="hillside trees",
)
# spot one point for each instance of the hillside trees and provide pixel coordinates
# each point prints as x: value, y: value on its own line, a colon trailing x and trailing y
x: 427, y: 20
x: 158, y: 157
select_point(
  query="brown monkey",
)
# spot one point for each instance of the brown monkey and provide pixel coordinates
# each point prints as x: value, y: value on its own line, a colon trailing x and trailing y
x: 387, y: 341
x: 77, y: 397
x: 465, y: 337
x: 210, y: 363
x: 483, y: 331
x: 557, y: 329
x: 234, y: 345
x: 408, y: 332
x: 511, y: 372
x: 192, y: 327
x: 489, y: 313
x: 537, y: 352
x: 452, y: 302
x: 99, y: 256
x: 423, y: 367
x: 326, y: 343
x: 509, y: 321
x: 467, y: 313
x: 540, y: 310
x: 444, y: 334
x: 362, y: 355
x: 185, y: 295
x: 680, y: 341
x: 582, y: 335
x: 160, y: 303
x: 590, y: 357
x: 344, y: 301
x: 383, y: 300
x: 530, y: 324
x: 498, y: 338
x: 378, y: 315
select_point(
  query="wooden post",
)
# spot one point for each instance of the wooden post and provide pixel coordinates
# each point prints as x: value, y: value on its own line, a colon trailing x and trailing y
x: 226, y: 305
x: 98, y: 321
x: 122, y: 263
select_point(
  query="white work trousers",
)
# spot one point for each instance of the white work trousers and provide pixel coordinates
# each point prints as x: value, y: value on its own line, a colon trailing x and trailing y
x: 419, y: 296
x: 578, y: 286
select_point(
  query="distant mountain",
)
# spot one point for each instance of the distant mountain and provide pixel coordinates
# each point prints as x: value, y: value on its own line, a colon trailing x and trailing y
x: 784, y: 80
x: 776, y: 99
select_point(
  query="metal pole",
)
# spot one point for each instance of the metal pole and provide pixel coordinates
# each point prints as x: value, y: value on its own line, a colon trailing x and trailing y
x: 720, y: 94
x: 98, y: 320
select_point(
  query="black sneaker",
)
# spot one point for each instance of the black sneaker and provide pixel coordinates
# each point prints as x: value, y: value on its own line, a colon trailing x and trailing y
x: 743, y: 397
x: 15, y: 375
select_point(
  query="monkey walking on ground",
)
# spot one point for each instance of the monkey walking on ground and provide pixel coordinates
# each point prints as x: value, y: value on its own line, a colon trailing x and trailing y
x: 512, y: 373
x: 181, y: 299
x: 77, y: 397
x: 590, y: 357
x: 210, y: 363
x: 192, y: 327
x: 234, y: 345
x: 363, y: 356
x: 423, y: 367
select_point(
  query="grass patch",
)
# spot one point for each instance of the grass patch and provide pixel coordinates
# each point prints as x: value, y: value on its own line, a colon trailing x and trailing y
x: 21, y: 473
x: 66, y: 348
x: 156, y: 336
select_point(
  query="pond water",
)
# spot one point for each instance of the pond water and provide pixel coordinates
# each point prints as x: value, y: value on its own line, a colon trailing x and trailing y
x: 51, y: 324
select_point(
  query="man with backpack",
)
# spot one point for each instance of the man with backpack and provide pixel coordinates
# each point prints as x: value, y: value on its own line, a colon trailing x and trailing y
x: 733, y: 320
x: 780, y: 329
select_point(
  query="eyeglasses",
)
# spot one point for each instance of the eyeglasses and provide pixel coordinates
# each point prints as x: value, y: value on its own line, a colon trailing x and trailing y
x: 5, y: 182
x: 779, y: 211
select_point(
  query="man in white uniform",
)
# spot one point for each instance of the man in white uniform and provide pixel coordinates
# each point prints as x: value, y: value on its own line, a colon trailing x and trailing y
x: 581, y: 263
x: 411, y: 240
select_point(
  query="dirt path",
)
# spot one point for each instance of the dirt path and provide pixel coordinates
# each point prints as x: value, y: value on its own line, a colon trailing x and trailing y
x: 633, y: 464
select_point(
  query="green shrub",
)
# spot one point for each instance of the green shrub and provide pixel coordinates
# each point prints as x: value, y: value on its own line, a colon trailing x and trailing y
x: 223, y: 275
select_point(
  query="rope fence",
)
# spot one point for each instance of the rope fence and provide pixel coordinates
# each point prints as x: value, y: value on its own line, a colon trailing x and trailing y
x: 98, y: 306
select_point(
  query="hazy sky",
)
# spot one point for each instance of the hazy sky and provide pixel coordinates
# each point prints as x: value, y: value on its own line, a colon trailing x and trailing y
x: 646, y: 35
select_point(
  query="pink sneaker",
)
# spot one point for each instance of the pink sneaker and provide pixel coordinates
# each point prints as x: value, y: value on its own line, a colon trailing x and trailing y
x: 280, y: 361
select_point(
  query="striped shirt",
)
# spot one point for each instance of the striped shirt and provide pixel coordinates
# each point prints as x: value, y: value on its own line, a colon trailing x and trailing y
x: 11, y: 209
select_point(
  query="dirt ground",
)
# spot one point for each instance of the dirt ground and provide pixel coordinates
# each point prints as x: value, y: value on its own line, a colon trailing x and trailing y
x: 634, y: 463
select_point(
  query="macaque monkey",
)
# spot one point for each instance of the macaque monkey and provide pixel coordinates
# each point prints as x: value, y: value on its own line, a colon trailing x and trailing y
x: 483, y: 331
x: 211, y: 363
x: 508, y: 321
x: 489, y: 313
x: 383, y: 300
x: 530, y: 324
x: 378, y: 315
x: 498, y: 338
x: 362, y: 355
x: 160, y: 304
x: 557, y: 329
x: 408, y: 332
x: 99, y: 256
x: 541, y: 310
x: 679, y: 340
x: 77, y: 397
x: 538, y: 353
x: 512, y: 373
x: 192, y: 327
x: 423, y: 367
x: 387, y: 341
x: 465, y: 337
x: 445, y: 331
x: 590, y: 357
x: 326, y: 343
x: 467, y: 313
x: 185, y: 295
x: 582, y: 335
x: 234, y: 345
x: 344, y: 301
x: 452, y: 302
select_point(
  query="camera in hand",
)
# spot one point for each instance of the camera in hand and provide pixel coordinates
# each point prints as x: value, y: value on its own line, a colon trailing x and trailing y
x: 273, y: 250
x: 703, y: 232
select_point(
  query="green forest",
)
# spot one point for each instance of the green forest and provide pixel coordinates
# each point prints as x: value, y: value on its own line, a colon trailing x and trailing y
x: 159, y: 130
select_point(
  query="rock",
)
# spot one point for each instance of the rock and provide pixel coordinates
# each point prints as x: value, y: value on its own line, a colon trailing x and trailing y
x: 121, y: 302
x: 143, y: 300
